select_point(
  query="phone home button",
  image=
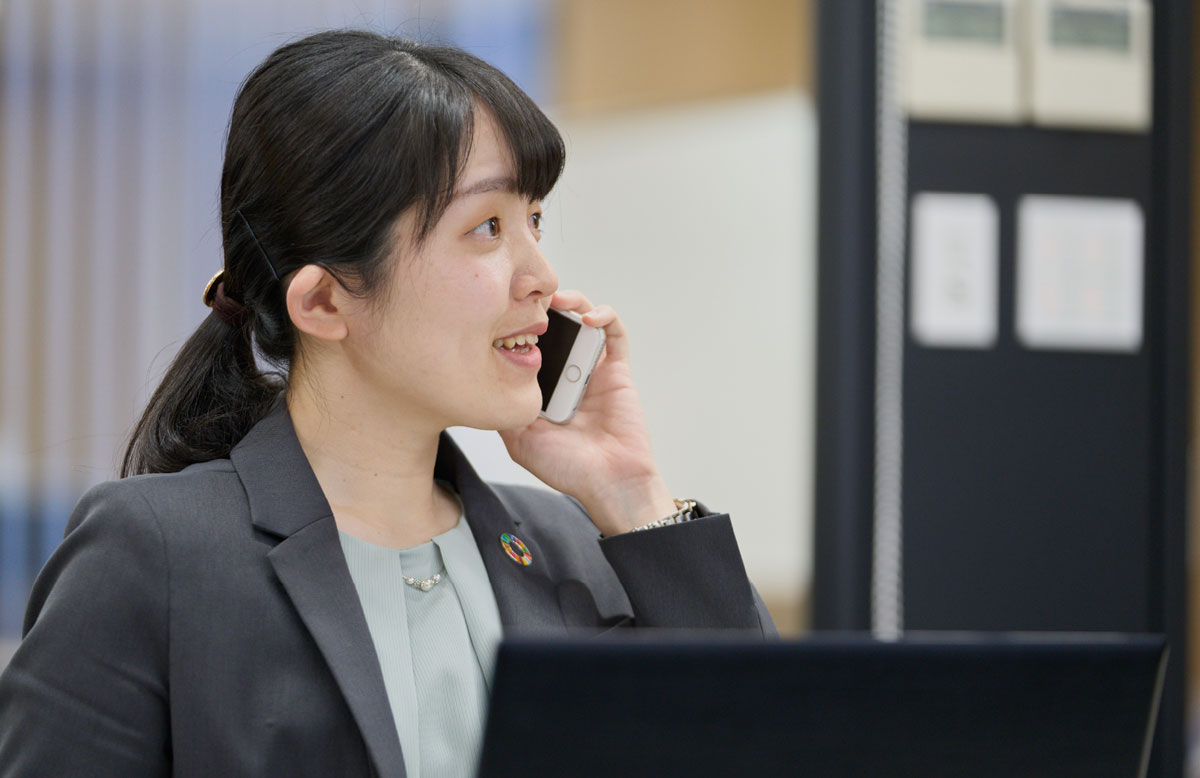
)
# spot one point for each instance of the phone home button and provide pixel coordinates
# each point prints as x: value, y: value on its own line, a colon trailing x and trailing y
x: 573, y: 373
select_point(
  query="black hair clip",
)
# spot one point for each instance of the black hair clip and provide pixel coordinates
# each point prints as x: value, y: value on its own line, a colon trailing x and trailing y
x: 261, y: 250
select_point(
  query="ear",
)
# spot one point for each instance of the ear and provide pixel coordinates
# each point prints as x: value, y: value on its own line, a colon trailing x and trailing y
x: 316, y: 303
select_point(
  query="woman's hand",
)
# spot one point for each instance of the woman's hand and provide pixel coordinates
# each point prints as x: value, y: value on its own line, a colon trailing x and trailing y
x: 602, y: 456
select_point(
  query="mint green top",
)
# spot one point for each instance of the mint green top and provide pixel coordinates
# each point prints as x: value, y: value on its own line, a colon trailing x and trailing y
x: 436, y: 648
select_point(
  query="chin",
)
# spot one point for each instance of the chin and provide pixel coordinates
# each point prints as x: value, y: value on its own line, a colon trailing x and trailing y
x: 511, y: 413
x: 515, y: 420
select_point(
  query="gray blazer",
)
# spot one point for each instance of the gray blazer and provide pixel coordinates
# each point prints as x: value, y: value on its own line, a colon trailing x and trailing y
x: 204, y: 623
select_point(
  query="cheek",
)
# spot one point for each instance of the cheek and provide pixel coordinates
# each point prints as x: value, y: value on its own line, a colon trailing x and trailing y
x: 468, y: 309
x: 447, y: 301
x: 483, y: 293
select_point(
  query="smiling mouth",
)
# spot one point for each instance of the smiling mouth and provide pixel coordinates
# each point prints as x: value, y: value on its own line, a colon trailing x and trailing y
x: 520, y: 344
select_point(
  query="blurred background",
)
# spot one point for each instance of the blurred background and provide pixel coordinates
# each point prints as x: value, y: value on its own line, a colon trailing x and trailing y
x: 743, y: 258
x: 687, y: 204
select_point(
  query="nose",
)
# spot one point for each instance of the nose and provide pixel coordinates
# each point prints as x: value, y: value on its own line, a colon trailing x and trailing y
x: 533, y: 278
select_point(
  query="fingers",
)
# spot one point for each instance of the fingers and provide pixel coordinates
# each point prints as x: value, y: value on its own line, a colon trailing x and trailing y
x: 601, y: 316
x: 570, y: 300
x: 616, y: 343
x: 592, y: 316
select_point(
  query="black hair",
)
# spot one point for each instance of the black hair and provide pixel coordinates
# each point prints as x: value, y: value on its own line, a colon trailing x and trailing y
x: 331, y: 139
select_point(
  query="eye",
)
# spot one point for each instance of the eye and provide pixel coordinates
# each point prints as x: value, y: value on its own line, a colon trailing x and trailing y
x: 490, y: 228
x: 536, y: 222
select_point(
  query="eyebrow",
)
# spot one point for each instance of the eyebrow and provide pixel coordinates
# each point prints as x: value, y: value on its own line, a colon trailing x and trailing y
x: 499, y: 183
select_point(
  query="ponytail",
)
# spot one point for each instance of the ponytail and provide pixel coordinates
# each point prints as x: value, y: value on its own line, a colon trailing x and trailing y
x: 210, y: 397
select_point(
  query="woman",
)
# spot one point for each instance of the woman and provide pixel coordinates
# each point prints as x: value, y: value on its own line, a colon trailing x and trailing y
x: 302, y: 574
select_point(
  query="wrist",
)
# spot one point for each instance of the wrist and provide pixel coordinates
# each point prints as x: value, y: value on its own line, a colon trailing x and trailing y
x: 630, y: 504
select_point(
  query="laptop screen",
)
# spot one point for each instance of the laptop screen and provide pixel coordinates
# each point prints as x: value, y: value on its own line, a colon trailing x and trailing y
x: 978, y: 706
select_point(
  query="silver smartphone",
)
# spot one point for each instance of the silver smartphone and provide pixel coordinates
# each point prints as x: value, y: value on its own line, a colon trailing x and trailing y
x: 570, y: 350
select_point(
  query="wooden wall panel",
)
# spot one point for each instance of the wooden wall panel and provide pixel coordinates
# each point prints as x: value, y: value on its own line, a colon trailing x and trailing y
x: 626, y: 54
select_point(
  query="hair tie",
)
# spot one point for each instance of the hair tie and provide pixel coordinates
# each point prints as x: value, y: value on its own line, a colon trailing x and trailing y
x: 261, y: 250
x: 227, y: 309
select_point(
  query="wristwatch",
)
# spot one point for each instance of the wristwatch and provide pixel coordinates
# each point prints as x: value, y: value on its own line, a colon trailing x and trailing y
x: 685, y: 511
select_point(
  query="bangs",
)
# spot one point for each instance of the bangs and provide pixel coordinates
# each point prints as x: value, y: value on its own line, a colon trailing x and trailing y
x: 536, y: 146
x: 533, y: 142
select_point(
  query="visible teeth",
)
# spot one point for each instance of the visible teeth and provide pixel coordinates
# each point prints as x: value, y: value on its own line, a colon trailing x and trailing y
x: 517, y: 341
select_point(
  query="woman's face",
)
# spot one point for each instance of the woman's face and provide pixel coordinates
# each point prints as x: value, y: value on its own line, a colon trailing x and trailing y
x: 429, y: 346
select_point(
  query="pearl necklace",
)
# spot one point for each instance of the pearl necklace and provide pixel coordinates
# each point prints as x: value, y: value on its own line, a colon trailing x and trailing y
x: 424, y: 584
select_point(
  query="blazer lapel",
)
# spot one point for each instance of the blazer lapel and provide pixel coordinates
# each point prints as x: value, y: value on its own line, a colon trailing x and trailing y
x: 525, y: 594
x: 286, y: 501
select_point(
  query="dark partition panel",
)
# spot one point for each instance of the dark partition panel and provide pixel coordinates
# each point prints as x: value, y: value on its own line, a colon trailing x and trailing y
x: 1028, y: 474
x: 1042, y: 490
x: 845, y: 45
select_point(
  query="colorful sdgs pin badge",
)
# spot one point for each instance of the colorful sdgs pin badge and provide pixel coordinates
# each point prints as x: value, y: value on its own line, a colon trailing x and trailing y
x: 516, y: 550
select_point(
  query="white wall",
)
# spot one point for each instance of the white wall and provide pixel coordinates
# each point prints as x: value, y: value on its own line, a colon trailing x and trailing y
x: 697, y: 224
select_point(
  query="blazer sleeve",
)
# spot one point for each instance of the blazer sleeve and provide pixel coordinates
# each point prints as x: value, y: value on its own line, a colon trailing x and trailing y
x: 688, y: 576
x: 85, y: 692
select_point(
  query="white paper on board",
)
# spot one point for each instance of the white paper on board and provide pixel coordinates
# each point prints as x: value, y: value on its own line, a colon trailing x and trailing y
x: 1080, y: 269
x: 955, y: 263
